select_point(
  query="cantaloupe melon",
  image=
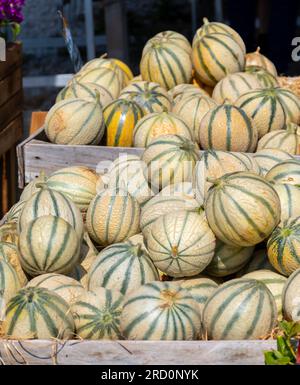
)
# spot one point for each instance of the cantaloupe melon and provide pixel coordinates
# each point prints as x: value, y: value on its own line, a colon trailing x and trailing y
x: 9, y: 233
x: 182, y: 90
x: 166, y: 60
x: 10, y: 253
x: 75, y: 121
x: 9, y: 284
x: 97, y: 314
x: 289, y: 196
x: 265, y: 78
x: 123, y: 267
x: 31, y: 187
x: 287, y: 140
x: 227, y: 128
x: 192, y: 108
x: 48, y: 244
x: 215, y: 56
x: 228, y: 259
x: 68, y: 288
x: 35, y: 312
x: 213, y: 27
x: 181, y: 244
x: 14, y: 212
x: 78, y: 183
x: 157, y: 124
x: 120, y: 118
x: 170, y: 159
x: 50, y: 202
x: 160, y: 311
x: 259, y: 261
x: 242, y: 209
x: 275, y: 283
x: 233, y: 86
x: 284, y: 246
x: 151, y: 97
x: 287, y: 172
x: 113, y: 216
x: 291, y: 297
x: 240, y: 309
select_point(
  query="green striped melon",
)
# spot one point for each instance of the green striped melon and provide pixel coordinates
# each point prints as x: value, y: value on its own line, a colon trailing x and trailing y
x: 228, y: 259
x: 35, y: 312
x: 242, y: 209
x: 215, y: 56
x: 289, y: 196
x: 10, y: 253
x: 240, y: 309
x: 233, y: 86
x: 9, y: 284
x: 287, y: 172
x: 105, y: 63
x: 50, y: 202
x: 68, y: 288
x: 164, y: 203
x: 267, y: 158
x: 259, y: 60
x: 275, y: 283
x: 31, y: 187
x: 75, y: 121
x: 199, y: 288
x: 113, y: 216
x: 227, y: 128
x: 209, y: 27
x: 9, y: 233
x: 284, y: 246
x: 170, y: 159
x: 291, y: 297
x: 181, y: 244
x: 160, y: 311
x: 127, y: 172
x: 291, y: 104
x: 287, y: 140
x: 265, y: 78
x: 182, y: 90
x: 192, y: 108
x: 265, y: 108
x: 259, y: 261
x: 105, y: 77
x: 158, y: 124
x: 120, y: 118
x: 97, y: 314
x: 151, y: 97
x: 87, y: 91
x: 14, y: 212
x: 78, y: 183
x: 215, y: 164
x: 48, y: 244
x: 166, y: 60
x: 172, y: 37
x: 123, y: 267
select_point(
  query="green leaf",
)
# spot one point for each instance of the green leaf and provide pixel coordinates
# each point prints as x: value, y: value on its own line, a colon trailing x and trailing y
x: 276, y: 358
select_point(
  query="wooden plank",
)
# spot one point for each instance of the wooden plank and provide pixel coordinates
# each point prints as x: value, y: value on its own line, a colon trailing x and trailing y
x: 10, y: 85
x: 13, y: 59
x: 39, y: 352
x: 11, y: 176
x: 11, y: 109
x: 37, y: 120
x: 11, y: 134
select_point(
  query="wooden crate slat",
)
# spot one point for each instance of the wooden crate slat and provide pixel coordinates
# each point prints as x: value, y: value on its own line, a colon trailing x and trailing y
x: 10, y: 85
x: 39, y: 352
x: 13, y: 60
x: 10, y: 109
x: 11, y: 134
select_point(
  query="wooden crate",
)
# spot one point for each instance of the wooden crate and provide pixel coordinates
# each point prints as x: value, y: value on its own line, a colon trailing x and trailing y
x: 11, y: 129
x: 36, y: 154
x: 40, y: 352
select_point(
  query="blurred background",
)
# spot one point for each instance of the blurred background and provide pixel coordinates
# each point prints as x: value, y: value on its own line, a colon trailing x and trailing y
x: 122, y: 27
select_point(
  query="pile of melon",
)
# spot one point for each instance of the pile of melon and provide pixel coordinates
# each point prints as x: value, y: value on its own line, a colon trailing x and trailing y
x: 177, y: 244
